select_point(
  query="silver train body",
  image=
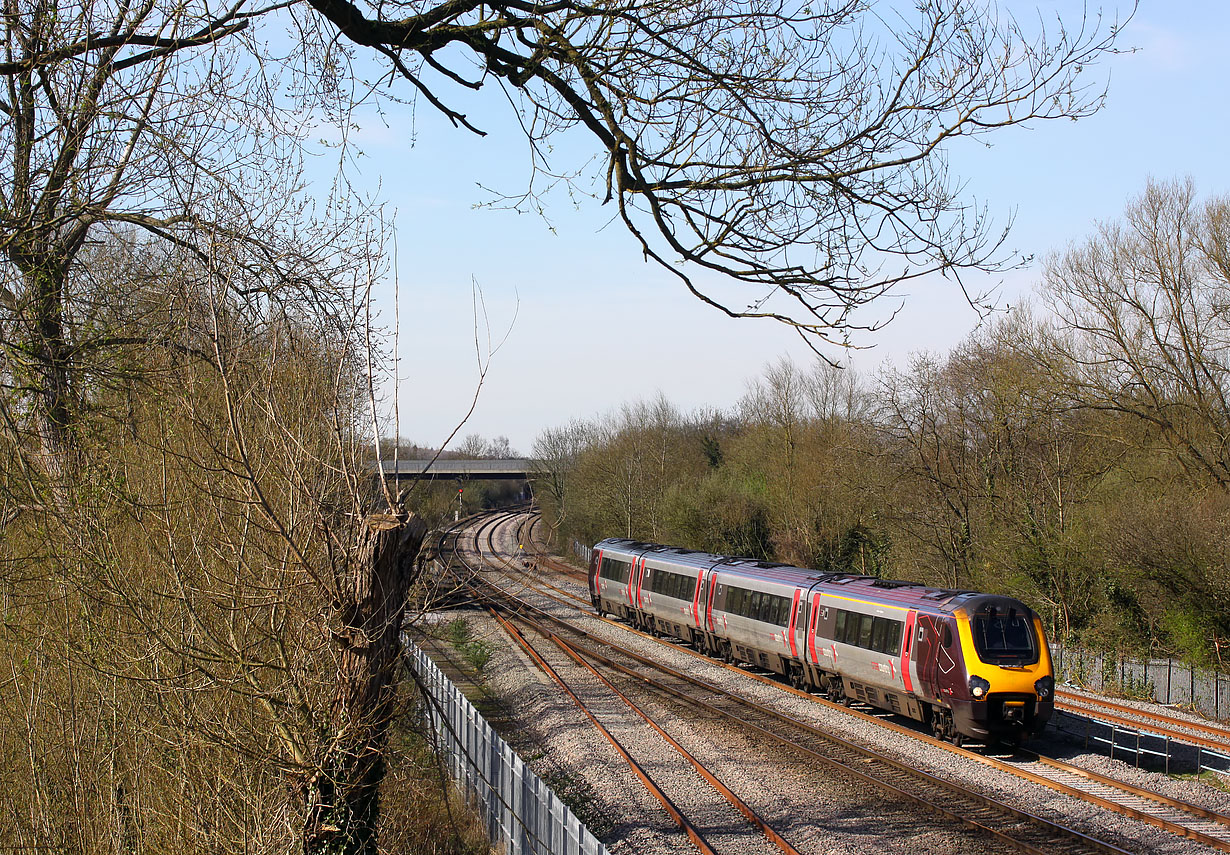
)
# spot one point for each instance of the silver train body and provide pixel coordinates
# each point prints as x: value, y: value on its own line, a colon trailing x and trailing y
x: 967, y: 664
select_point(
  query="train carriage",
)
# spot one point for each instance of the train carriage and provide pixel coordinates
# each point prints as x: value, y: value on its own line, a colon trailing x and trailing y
x: 755, y: 614
x: 673, y: 591
x: 968, y: 664
x: 611, y: 576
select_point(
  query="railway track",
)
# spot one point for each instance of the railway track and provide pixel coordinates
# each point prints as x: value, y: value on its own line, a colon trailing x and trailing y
x: 698, y: 831
x: 1177, y: 817
x: 1204, y: 735
x: 1005, y: 825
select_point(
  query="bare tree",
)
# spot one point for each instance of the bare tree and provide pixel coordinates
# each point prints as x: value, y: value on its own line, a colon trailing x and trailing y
x: 182, y: 347
x: 836, y: 395
x: 558, y: 450
x: 105, y: 128
x: 1144, y: 321
x: 929, y: 429
x: 797, y: 147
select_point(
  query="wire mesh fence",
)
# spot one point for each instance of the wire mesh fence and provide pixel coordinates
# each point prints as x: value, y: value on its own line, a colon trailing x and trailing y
x: 1167, y: 681
x: 521, y: 813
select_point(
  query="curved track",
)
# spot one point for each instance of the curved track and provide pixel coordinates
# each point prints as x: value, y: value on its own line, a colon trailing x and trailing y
x: 1006, y: 825
x: 523, y: 573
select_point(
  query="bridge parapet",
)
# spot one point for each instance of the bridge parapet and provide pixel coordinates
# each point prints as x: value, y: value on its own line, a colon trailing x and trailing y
x: 519, y: 469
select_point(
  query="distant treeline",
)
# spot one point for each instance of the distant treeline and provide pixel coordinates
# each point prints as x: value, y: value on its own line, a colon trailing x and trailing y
x: 1076, y: 455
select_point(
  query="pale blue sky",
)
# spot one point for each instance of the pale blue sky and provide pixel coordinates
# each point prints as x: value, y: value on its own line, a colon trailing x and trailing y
x: 595, y: 326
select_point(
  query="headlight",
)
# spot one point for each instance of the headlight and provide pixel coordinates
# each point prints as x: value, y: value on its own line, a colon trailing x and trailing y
x: 1044, y: 687
x: 979, y: 687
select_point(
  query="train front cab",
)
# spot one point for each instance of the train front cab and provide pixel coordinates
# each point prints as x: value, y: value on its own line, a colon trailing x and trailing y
x: 1009, y: 687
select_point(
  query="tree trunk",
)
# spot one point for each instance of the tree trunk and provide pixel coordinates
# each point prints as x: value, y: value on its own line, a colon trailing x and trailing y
x: 342, y: 797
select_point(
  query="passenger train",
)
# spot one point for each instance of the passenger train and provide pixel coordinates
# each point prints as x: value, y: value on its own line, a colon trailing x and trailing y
x: 966, y: 664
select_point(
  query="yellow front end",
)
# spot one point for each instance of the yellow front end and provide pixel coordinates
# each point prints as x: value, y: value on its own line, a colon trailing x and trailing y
x: 1006, y: 698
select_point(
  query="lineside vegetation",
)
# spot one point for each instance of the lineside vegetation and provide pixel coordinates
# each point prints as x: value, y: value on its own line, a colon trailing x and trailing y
x: 1072, y: 455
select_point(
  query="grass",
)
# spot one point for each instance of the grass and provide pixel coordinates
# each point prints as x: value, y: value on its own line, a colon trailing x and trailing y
x: 1214, y: 779
x: 419, y: 811
x: 475, y: 651
x: 581, y: 799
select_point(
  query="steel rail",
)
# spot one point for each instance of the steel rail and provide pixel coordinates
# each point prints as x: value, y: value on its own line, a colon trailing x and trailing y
x: 730, y: 796
x: 656, y: 791
x: 1168, y: 825
x: 683, y: 822
x: 1154, y: 722
x: 1127, y: 788
x: 861, y: 754
x: 521, y: 571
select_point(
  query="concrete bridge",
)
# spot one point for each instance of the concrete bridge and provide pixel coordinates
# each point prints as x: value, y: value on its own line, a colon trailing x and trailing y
x: 463, y: 470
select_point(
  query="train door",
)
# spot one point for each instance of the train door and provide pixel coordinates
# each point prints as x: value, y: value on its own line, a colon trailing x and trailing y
x: 907, y: 649
x: 698, y: 602
x: 638, y: 577
x: 798, y: 625
x: 810, y: 638
x: 926, y: 641
x: 940, y: 672
x: 711, y: 582
x: 630, y: 588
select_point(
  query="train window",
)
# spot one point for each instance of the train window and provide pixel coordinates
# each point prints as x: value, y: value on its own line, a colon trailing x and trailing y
x: 853, y: 623
x: 879, y: 634
x: 764, y: 609
x: 782, y: 617
x: 888, y: 636
x: 735, y: 600
x: 774, y: 610
x: 946, y: 638
x: 850, y: 635
x: 839, y: 630
x: 615, y: 570
x: 864, y: 633
x: 1004, y: 639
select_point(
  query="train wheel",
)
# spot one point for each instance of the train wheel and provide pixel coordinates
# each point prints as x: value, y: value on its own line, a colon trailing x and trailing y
x: 943, y: 727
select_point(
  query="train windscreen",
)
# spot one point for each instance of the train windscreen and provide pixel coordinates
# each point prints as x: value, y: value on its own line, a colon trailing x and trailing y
x: 1005, y: 638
